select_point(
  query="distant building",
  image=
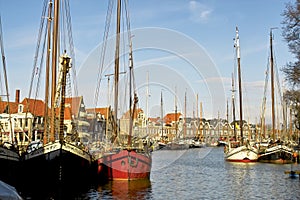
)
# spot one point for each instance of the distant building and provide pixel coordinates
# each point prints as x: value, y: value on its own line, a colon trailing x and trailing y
x: 76, y: 117
x: 97, y: 117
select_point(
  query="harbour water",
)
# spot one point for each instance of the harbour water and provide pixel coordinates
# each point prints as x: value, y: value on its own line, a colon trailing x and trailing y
x: 202, y: 174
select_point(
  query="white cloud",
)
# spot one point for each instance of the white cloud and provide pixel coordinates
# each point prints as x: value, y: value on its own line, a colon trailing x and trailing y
x: 215, y: 80
x: 199, y: 12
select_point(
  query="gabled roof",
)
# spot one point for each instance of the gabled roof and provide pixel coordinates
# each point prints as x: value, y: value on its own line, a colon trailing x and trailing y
x: 68, y: 113
x: 172, y: 117
x: 13, y: 107
x: 35, y: 106
x: 102, y: 111
x: 155, y: 120
x: 127, y: 114
x: 74, y: 103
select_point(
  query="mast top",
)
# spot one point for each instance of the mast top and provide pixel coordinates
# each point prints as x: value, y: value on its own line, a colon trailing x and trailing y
x: 237, y: 43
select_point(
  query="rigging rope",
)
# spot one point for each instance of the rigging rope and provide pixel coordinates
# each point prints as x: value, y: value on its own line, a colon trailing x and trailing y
x: 6, y: 83
x: 36, y: 71
x: 129, y: 35
x: 71, y: 48
x: 263, y: 106
x: 40, y: 69
x: 37, y: 51
x: 2, y: 54
x: 103, y: 50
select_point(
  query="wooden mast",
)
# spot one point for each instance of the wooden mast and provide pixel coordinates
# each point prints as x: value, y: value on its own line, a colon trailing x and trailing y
x: 116, y: 77
x: 131, y: 112
x: 147, y: 104
x: 201, y: 119
x: 176, y: 118
x: 54, y: 66
x: 272, y: 86
x: 184, y: 136
x: 237, y: 46
x: 46, y: 119
x: 233, y: 107
x: 162, y: 115
x: 65, y: 62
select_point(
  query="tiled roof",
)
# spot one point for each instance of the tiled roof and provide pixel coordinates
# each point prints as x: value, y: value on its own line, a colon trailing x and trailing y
x: 155, y: 120
x: 127, y: 114
x: 102, y: 111
x: 67, y: 114
x: 171, y: 117
x: 13, y: 107
x: 74, y: 103
x: 34, y: 106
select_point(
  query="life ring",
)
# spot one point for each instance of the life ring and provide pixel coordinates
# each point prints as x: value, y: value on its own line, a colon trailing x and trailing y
x: 132, y: 163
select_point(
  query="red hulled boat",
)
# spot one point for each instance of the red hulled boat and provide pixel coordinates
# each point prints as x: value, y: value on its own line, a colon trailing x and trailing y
x: 124, y: 161
x: 126, y: 164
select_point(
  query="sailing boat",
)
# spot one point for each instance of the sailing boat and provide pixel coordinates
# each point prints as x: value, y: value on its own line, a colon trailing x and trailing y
x: 275, y: 151
x: 56, y: 160
x: 180, y: 141
x: 162, y: 143
x: 240, y: 151
x: 9, y: 154
x: 124, y: 162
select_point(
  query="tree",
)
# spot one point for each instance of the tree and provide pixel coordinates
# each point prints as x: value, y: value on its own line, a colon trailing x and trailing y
x: 291, y: 34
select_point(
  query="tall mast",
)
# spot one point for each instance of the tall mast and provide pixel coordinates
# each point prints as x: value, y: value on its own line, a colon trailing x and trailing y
x: 233, y: 106
x: 227, y: 117
x: 116, y: 80
x: 54, y: 66
x: 184, y: 115
x: 45, y: 136
x: 65, y: 63
x: 131, y: 112
x: 238, y: 55
x: 176, y: 118
x: 197, y: 107
x: 162, y: 115
x: 201, y: 116
x: 6, y: 83
x: 272, y: 86
x: 147, y: 103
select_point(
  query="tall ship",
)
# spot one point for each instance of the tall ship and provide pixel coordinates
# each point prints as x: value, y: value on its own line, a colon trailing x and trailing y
x: 275, y: 150
x: 9, y: 152
x: 239, y: 150
x: 57, y: 160
x: 131, y: 159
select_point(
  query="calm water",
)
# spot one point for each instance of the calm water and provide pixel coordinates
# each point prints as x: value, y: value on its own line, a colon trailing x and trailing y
x: 203, y: 174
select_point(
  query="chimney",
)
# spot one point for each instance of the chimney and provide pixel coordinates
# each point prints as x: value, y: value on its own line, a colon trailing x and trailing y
x: 17, y: 96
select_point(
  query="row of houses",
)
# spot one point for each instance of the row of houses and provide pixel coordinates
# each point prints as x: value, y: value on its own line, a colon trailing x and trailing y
x: 28, y: 123
x: 27, y: 118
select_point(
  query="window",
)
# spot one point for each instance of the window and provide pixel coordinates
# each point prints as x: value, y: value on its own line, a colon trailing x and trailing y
x: 20, y: 108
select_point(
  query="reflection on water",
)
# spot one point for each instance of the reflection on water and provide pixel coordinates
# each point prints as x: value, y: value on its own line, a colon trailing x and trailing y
x: 137, y: 189
x: 201, y: 174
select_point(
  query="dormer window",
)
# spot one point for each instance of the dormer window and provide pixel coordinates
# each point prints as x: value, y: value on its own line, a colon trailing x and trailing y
x: 20, y: 108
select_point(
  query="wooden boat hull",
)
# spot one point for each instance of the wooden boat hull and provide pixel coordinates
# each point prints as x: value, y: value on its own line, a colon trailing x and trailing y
x: 57, y: 165
x: 241, y: 154
x: 10, y: 165
x: 197, y: 144
x: 278, y: 154
x: 176, y: 146
x: 125, y: 165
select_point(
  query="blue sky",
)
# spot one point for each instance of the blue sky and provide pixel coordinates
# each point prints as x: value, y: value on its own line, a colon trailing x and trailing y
x: 182, y: 44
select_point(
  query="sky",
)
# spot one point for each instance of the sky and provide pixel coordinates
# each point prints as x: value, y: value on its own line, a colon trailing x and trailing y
x: 183, y: 50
